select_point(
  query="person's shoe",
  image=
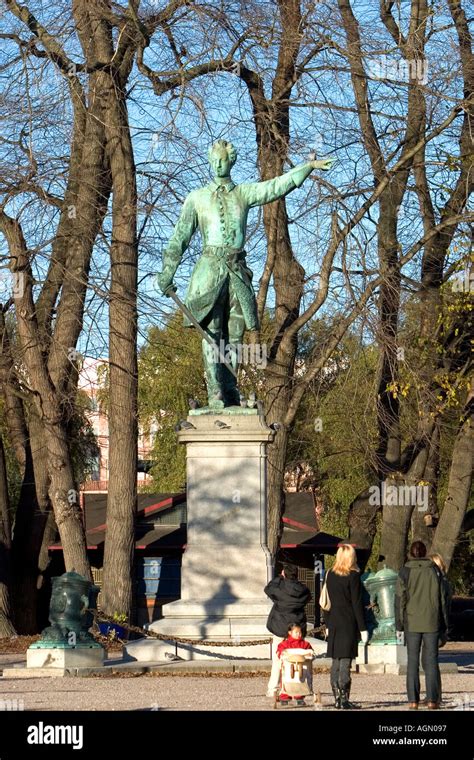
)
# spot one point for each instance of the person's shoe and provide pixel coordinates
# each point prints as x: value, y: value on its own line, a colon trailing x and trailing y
x: 426, y: 701
x: 413, y: 705
x: 337, y: 698
x: 299, y: 701
x: 345, y: 704
x: 433, y: 705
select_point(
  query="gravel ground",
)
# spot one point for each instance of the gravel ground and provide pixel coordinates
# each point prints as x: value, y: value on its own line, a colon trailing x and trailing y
x: 147, y: 692
x: 220, y: 692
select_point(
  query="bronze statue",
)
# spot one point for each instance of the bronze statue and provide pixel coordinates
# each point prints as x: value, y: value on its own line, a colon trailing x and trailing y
x: 220, y: 295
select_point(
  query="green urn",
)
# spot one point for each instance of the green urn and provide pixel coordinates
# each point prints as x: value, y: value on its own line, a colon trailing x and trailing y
x: 72, y: 599
x: 381, y: 614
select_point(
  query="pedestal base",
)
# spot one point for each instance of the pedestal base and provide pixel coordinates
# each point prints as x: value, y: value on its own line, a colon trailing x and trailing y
x: 227, y: 564
x: 387, y: 654
x: 214, y: 619
x: 154, y: 650
x: 231, y: 622
x: 65, y: 658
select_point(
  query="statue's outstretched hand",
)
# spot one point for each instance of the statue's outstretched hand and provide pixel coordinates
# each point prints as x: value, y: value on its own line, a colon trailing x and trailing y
x: 324, y: 164
x: 164, y: 280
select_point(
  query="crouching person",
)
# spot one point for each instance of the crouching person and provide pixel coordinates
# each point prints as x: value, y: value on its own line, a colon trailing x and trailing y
x: 289, y: 597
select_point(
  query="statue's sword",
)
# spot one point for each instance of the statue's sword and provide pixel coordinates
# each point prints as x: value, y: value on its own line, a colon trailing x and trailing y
x: 172, y: 294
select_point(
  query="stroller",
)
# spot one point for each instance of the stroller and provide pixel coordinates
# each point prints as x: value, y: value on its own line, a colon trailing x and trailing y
x: 296, y: 678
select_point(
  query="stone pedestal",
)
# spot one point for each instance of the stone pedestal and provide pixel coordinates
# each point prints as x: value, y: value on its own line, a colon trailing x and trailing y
x: 64, y: 658
x: 393, y: 654
x: 156, y: 650
x: 226, y: 564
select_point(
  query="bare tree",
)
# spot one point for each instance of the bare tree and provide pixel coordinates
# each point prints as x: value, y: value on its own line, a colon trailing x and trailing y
x: 418, y: 460
x: 301, y: 36
x: 49, y: 326
x: 337, y: 252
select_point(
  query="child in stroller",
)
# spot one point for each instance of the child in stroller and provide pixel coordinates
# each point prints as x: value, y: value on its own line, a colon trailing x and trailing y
x: 296, y: 656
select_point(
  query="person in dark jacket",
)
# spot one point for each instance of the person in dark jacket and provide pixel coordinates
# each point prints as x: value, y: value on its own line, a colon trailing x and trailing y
x: 344, y: 621
x: 289, y: 597
x: 421, y: 611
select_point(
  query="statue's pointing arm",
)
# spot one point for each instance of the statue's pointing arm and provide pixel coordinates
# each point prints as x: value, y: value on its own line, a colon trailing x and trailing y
x: 258, y: 193
x: 182, y: 234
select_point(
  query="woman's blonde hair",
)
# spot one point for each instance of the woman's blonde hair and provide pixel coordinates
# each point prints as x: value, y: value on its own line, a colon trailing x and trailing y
x: 438, y: 560
x: 346, y: 560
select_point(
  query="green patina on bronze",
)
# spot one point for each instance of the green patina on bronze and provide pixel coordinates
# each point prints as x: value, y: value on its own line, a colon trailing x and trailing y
x: 234, y: 410
x: 72, y: 599
x: 220, y: 294
x: 381, y: 617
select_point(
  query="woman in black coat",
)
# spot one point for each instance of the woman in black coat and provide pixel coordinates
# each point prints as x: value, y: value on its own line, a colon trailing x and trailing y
x: 344, y: 621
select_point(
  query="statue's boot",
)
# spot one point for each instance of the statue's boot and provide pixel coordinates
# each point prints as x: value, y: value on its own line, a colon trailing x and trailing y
x: 212, y: 373
x: 229, y: 381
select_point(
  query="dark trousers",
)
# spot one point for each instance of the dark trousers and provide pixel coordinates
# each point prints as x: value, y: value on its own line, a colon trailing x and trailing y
x: 429, y: 661
x: 341, y: 672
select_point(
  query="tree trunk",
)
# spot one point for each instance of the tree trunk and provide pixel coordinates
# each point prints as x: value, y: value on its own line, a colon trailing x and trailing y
x: 396, y: 528
x: 14, y: 412
x: 459, y: 490
x: 423, y: 522
x: 30, y: 518
x: 23, y: 551
x: 123, y: 428
x: 276, y: 469
x: 272, y: 123
x: 6, y: 625
x: 362, y: 522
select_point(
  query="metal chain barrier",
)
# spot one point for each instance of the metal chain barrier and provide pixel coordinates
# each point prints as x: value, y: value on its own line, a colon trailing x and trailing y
x: 179, y: 639
x: 98, y: 618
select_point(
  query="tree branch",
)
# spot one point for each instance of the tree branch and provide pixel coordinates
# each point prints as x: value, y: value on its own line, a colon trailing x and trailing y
x: 339, y: 331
